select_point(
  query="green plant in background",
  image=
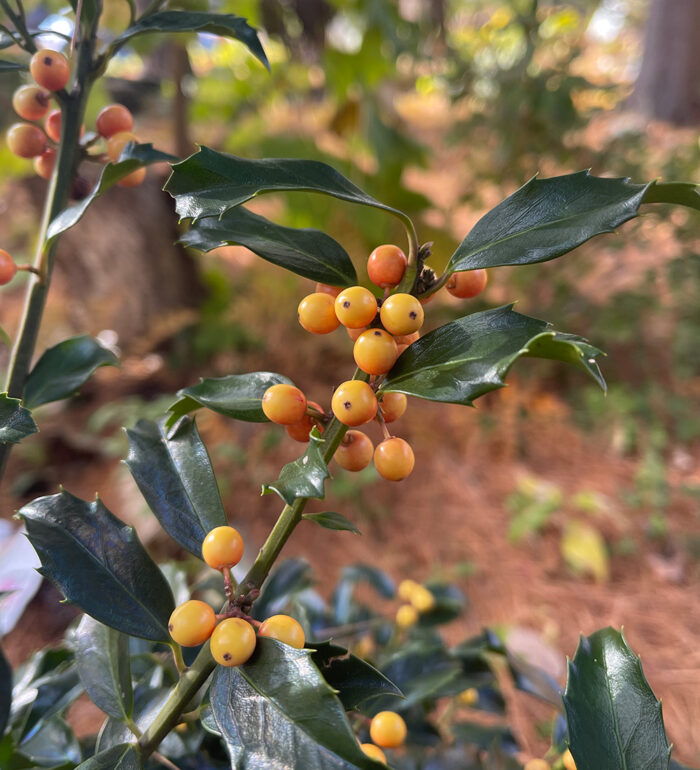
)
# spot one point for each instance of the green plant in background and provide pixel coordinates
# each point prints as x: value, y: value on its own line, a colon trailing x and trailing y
x: 251, y: 686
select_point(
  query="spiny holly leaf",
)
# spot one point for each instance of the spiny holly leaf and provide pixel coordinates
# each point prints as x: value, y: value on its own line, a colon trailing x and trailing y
x: 5, y: 691
x: 467, y: 358
x: 277, y: 711
x: 133, y: 157
x: 307, y: 252
x: 16, y: 422
x: 238, y: 396
x: 209, y: 183
x: 62, y: 369
x: 332, y: 520
x: 98, y: 563
x: 546, y: 218
x: 681, y: 193
x: 174, y: 473
x: 224, y: 24
x: 614, y: 718
x: 304, y: 477
x: 102, y: 657
x: 125, y: 756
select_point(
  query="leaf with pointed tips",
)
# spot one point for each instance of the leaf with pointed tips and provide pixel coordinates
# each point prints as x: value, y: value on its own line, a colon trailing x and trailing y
x: 304, y: 477
x: 16, y: 422
x: 332, y: 520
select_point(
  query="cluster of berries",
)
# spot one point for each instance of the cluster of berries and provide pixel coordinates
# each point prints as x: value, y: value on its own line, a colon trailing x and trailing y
x: 388, y: 731
x: 417, y: 600
x: 51, y: 73
x: 381, y: 330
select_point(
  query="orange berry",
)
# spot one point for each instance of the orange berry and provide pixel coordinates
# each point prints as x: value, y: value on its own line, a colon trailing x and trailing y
x: 192, y: 623
x: 394, y: 459
x: 469, y: 697
x: 324, y: 288
x: 44, y: 163
x: 299, y: 431
x: 375, y: 351
x: 50, y: 69
x: 113, y: 119
x: 26, y: 140
x: 387, y: 729
x: 406, y: 616
x: 232, y: 642
x: 355, y: 451
x: 356, y: 307
x: 407, y: 339
x: 31, y: 102
x: 392, y: 406
x: 386, y: 266
x: 134, y: 179
x: 284, y: 404
x: 8, y: 268
x: 536, y: 764
x: 373, y: 752
x: 568, y: 760
x: 354, y: 403
x: 355, y: 333
x: 316, y: 313
x: 117, y: 142
x: 52, y: 125
x: 222, y: 547
x: 467, y: 284
x: 285, y: 629
x: 402, y: 314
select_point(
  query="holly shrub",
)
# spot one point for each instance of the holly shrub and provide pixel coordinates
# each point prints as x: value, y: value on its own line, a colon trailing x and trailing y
x: 264, y: 672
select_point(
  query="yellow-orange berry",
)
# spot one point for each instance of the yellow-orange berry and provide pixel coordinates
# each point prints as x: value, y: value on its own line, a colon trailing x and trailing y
x: 284, y: 404
x: 469, y: 697
x: 568, y: 760
x: 355, y: 333
x: 386, y: 266
x: 406, y: 589
x: 192, y: 623
x: 354, y: 403
x: 406, y: 616
x: 407, y: 339
x: 44, y: 163
x: 8, y: 268
x: 467, y: 284
x: 387, y: 729
x: 375, y: 351
x: 392, y: 406
x: 26, y: 140
x: 285, y: 629
x: 117, y: 142
x: 422, y: 599
x: 233, y: 642
x: 373, y: 752
x: 31, y: 102
x: 355, y: 451
x: 316, y: 313
x: 356, y: 307
x: 52, y: 125
x: 324, y: 288
x: 113, y: 119
x: 222, y: 547
x: 394, y: 459
x: 134, y: 179
x: 536, y: 764
x: 402, y: 314
x: 299, y: 431
x: 50, y: 69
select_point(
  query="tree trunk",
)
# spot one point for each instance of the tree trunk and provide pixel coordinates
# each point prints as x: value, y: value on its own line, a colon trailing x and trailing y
x: 668, y: 86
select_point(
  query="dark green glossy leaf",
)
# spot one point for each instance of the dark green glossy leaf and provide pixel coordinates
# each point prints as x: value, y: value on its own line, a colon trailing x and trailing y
x: 62, y: 369
x: 53, y: 744
x: 98, y: 563
x: 278, y: 711
x: 467, y: 358
x: 133, y: 157
x: 43, y: 697
x: 16, y: 422
x: 304, y: 477
x: 11, y: 66
x: 125, y: 756
x: 614, y: 718
x: 484, y: 736
x: 174, y: 473
x: 238, y: 396
x: 5, y: 691
x: 286, y: 579
x: 224, y: 24
x: 307, y: 252
x: 681, y: 193
x: 546, y: 218
x: 449, y: 604
x: 343, y: 607
x: 102, y: 657
x: 209, y: 183
x: 332, y: 520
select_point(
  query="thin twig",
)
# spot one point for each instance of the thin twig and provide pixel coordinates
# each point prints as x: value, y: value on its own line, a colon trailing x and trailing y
x: 164, y: 761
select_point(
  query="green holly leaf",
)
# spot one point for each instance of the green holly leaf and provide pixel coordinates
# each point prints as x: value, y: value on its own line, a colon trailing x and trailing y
x: 102, y: 657
x: 62, y: 369
x: 343, y: 606
x: 53, y: 744
x: 304, y: 477
x: 16, y: 422
x: 277, y: 710
x: 467, y: 358
x: 5, y: 691
x: 332, y: 520
x: 98, y: 563
x: 484, y: 736
x: 614, y: 718
x: 173, y: 471
x: 306, y: 252
x: 125, y: 756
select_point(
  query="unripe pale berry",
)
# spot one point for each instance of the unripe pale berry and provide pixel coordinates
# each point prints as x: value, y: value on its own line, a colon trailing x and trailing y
x: 50, y: 69
x: 44, y: 163
x: 394, y: 459
x: 356, y: 307
x: 375, y: 351
x: 8, y: 268
x: 316, y: 313
x: 284, y: 404
x: 386, y: 266
x: 406, y: 589
x: 355, y: 451
x: 406, y: 616
x: 113, y: 119
x: 26, y: 140
x: 387, y: 729
x: 233, y: 642
x: 117, y: 142
x: 536, y: 764
x: 392, y: 406
x: 402, y: 314
x: 134, y: 179
x: 467, y: 284
x: 469, y: 697
x: 285, y: 629
x: 222, y: 547
x: 324, y: 288
x: 422, y: 599
x: 192, y: 623
x: 31, y: 102
x: 373, y: 752
x: 568, y: 760
x: 354, y: 403
x: 299, y: 431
